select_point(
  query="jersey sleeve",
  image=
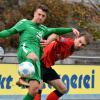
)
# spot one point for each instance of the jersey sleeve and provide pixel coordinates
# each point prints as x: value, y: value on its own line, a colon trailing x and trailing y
x: 20, y: 26
x: 58, y: 31
x: 8, y: 32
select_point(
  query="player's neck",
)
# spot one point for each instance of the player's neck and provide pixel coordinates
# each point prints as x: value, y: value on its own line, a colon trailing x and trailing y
x: 34, y: 21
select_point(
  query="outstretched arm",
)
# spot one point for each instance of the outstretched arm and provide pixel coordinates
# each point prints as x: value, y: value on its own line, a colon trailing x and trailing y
x: 61, y: 31
x: 8, y: 32
x: 18, y: 27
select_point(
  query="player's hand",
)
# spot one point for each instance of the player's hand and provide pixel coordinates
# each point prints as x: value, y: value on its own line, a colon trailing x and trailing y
x: 76, y: 32
x: 43, y: 43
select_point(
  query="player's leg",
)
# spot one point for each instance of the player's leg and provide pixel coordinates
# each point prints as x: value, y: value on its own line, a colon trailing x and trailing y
x: 51, y: 77
x: 38, y: 95
x: 33, y: 84
x: 60, y: 89
x: 31, y: 57
x: 34, y: 81
x: 32, y: 90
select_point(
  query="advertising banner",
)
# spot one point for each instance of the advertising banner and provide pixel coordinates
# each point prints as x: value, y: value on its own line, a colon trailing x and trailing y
x: 79, y: 79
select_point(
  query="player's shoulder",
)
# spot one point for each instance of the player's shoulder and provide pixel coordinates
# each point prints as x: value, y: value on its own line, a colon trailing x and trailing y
x: 23, y: 20
x: 62, y: 39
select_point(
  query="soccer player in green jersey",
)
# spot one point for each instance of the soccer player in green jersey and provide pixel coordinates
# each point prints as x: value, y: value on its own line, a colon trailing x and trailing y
x: 31, y: 32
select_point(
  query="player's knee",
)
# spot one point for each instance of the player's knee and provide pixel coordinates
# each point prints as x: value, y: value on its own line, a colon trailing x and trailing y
x: 63, y: 90
x: 32, y: 56
x: 34, y: 87
x: 33, y: 92
x: 35, y: 58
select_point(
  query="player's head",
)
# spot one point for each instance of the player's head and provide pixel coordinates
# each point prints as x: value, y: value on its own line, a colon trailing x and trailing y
x: 81, y: 41
x: 40, y: 13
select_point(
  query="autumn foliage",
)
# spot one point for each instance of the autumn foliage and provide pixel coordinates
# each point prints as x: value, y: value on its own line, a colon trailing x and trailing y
x: 61, y: 14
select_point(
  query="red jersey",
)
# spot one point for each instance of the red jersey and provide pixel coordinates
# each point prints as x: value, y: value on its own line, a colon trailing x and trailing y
x: 57, y: 50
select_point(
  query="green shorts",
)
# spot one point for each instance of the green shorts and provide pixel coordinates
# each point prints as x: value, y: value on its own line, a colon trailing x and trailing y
x: 23, y: 51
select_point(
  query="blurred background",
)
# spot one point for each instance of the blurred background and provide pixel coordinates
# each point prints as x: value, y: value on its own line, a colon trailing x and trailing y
x: 81, y: 14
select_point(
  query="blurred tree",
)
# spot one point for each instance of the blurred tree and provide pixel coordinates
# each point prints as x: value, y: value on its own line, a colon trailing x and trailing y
x: 61, y: 14
x: 57, y: 11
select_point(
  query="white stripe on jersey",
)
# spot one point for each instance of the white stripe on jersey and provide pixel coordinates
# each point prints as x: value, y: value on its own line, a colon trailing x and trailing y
x: 24, y: 49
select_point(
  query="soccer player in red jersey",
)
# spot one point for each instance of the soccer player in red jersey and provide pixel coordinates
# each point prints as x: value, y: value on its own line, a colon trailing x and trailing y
x: 59, y: 49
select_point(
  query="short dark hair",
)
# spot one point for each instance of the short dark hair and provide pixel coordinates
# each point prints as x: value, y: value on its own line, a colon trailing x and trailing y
x: 43, y: 7
x: 87, y: 37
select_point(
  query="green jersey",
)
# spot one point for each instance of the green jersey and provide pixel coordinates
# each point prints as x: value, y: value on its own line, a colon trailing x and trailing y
x: 30, y: 32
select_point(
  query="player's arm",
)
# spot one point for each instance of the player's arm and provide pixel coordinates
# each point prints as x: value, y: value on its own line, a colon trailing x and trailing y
x: 61, y: 31
x: 51, y: 38
x: 8, y: 32
x: 19, y: 27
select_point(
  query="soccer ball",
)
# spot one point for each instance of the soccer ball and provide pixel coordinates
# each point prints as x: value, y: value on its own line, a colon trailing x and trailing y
x: 26, y: 69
